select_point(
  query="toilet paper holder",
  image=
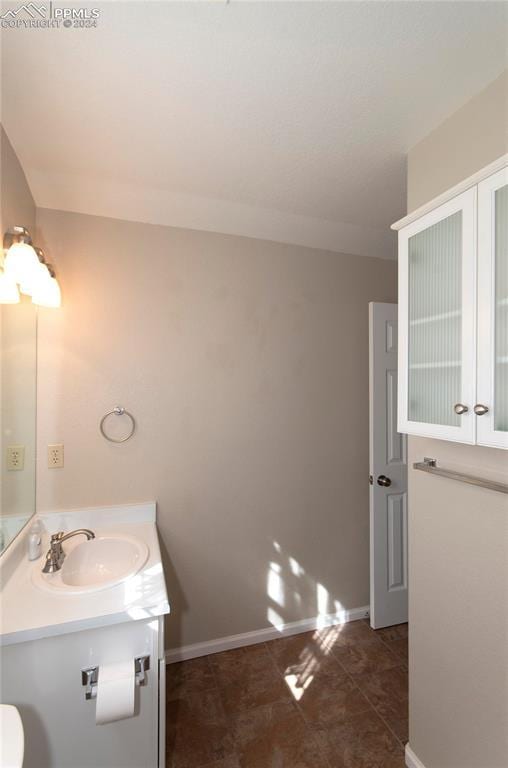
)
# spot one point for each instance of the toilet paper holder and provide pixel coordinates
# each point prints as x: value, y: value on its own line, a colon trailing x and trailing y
x: 90, y: 676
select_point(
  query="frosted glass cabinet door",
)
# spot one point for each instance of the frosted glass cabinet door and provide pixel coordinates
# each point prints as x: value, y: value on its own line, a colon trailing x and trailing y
x: 437, y: 262
x: 492, y: 390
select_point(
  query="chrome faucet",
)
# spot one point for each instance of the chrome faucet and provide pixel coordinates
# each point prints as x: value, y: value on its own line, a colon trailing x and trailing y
x: 55, y: 555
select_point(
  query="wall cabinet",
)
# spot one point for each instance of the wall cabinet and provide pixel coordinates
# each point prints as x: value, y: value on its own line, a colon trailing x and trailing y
x: 453, y: 316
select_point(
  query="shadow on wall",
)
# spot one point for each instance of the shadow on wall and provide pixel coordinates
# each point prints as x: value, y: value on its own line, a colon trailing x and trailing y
x: 177, y: 601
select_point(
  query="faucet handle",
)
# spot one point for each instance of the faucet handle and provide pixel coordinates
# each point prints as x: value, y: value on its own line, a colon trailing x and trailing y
x: 57, y: 536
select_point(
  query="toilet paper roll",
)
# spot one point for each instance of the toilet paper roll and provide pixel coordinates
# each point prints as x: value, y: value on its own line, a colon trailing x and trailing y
x: 115, y: 692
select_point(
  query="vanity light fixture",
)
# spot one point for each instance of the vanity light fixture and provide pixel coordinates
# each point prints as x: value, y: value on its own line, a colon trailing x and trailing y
x: 37, y: 274
x: 20, y: 258
x: 25, y: 264
x: 47, y: 291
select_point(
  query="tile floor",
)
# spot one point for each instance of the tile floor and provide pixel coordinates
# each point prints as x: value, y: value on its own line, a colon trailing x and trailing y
x: 334, y: 698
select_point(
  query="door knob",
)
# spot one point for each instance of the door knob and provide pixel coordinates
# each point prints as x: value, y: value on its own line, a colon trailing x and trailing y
x: 460, y: 408
x: 384, y: 481
x: 480, y: 409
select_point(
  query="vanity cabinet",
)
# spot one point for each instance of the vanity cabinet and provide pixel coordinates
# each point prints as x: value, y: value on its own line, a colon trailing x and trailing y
x: 453, y: 317
x: 83, y: 661
x: 42, y: 678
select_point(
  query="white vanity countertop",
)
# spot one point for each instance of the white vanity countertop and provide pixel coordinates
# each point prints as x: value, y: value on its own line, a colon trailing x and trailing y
x: 28, y: 612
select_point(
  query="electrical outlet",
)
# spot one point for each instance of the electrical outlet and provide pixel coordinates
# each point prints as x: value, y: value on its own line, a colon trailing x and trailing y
x: 55, y: 456
x: 15, y: 458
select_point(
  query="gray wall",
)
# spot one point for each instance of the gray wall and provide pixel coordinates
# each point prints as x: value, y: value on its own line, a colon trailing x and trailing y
x: 17, y: 204
x: 245, y: 363
x: 458, y: 609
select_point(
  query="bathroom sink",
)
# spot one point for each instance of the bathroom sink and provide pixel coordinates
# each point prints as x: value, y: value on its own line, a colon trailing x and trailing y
x: 94, y: 565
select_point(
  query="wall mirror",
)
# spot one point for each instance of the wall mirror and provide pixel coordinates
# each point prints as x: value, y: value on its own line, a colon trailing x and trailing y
x: 18, y: 351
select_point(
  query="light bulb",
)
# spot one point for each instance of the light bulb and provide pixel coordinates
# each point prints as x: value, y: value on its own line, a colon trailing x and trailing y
x: 9, y: 293
x: 21, y: 262
x: 47, y: 292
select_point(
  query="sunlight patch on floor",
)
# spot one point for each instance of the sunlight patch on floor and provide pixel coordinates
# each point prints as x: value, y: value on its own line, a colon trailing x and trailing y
x: 296, y: 687
x: 289, y: 589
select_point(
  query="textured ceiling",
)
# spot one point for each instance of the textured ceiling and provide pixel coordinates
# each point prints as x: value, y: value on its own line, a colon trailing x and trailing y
x: 287, y: 121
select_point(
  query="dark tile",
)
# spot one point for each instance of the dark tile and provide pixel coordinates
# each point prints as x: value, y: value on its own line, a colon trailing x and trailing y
x: 355, y: 633
x: 295, y: 650
x: 190, y: 748
x: 190, y: 676
x: 334, y: 698
x: 396, y: 632
x: 388, y: 693
x: 228, y: 762
x: 400, y: 726
x: 399, y: 648
x: 385, y: 686
x: 197, y: 730
x: 275, y: 736
x: 394, y: 712
x: 204, y: 707
x: 362, y: 741
x: 253, y: 690
x: 366, y: 657
x: 304, y: 655
x: 315, y: 649
x: 233, y: 665
x: 328, y: 699
x: 248, y: 678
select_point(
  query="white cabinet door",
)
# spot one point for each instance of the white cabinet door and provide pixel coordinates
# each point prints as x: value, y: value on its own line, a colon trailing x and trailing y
x: 492, y: 380
x: 437, y: 323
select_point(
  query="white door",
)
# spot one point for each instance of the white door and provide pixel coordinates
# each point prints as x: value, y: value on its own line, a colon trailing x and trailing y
x: 491, y: 406
x: 437, y: 299
x: 388, y: 475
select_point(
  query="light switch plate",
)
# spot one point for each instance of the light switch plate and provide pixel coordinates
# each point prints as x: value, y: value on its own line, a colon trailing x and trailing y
x: 55, y: 456
x: 15, y: 458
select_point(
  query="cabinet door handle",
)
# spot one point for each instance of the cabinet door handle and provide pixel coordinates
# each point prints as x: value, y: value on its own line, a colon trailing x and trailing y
x: 384, y: 481
x: 480, y: 409
x: 460, y: 408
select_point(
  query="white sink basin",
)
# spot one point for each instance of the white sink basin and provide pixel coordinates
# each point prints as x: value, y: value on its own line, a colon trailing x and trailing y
x: 94, y: 565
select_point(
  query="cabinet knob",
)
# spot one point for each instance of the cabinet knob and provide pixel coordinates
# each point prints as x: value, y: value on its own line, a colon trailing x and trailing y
x: 460, y: 408
x: 480, y: 409
x: 384, y: 481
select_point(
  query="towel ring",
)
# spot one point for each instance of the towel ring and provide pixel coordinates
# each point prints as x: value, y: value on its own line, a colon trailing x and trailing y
x: 118, y: 411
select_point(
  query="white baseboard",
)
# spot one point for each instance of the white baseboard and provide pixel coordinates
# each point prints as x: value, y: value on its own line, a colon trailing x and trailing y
x: 411, y: 760
x: 262, y: 635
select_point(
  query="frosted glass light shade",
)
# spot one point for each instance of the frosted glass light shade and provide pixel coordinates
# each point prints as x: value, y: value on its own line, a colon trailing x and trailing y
x: 21, y: 262
x: 47, y: 293
x: 38, y: 275
x: 9, y: 293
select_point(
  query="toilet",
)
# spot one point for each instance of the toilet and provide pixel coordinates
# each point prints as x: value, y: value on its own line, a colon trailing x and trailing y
x: 12, y: 737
